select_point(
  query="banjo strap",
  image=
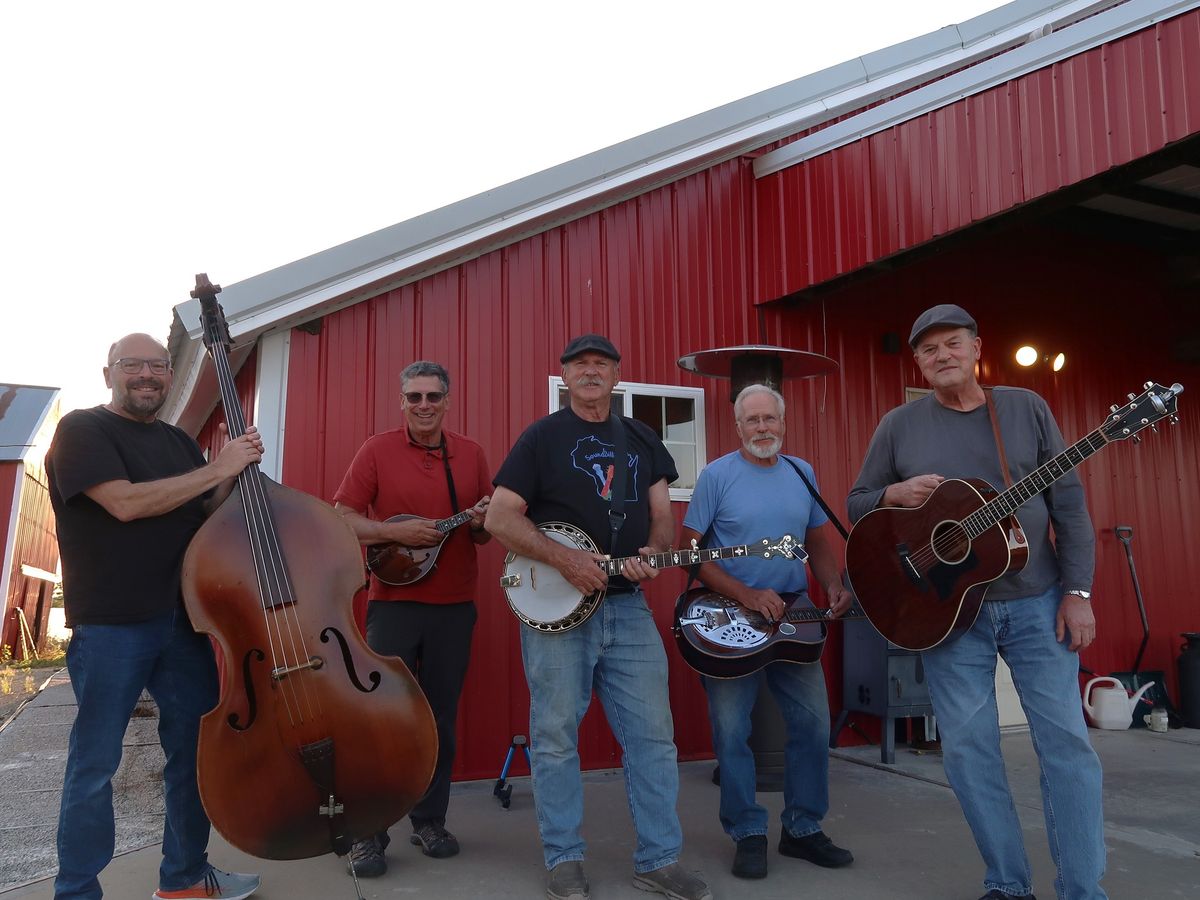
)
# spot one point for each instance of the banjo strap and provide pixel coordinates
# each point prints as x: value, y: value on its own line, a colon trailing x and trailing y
x: 616, y: 510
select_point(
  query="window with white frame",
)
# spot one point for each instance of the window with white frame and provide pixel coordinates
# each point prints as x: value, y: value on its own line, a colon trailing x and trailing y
x: 675, y: 414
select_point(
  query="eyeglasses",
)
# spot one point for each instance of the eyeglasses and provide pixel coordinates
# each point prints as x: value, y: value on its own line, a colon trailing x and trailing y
x: 132, y: 365
x: 415, y: 397
x: 755, y: 421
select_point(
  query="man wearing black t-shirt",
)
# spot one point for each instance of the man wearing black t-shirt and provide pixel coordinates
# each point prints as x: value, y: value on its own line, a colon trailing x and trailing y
x: 562, y: 469
x: 128, y: 492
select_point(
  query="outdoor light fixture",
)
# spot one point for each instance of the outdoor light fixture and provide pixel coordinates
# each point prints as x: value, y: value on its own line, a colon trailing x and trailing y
x: 1028, y: 355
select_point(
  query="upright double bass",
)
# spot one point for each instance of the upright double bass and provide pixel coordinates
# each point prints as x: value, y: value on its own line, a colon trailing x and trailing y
x: 316, y: 741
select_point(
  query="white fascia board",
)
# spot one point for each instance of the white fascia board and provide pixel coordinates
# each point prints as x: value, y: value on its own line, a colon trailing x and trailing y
x: 270, y: 399
x: 1040, y: 52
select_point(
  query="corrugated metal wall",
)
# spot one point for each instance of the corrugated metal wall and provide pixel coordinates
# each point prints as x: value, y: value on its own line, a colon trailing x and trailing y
x: 34, y: 544
x: 1109, y: 307
x: 979, y: 157
x: 663, y: 275
x: 680, y: 268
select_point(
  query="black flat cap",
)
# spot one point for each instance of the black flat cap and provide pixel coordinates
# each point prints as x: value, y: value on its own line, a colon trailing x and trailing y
x: 590, y: 343
x: 946, y: 315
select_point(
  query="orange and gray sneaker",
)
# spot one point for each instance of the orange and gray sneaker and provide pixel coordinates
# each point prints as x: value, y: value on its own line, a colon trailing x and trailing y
x: 216, y: 885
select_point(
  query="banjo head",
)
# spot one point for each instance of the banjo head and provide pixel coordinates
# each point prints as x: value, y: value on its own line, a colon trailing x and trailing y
x: 539, y: 595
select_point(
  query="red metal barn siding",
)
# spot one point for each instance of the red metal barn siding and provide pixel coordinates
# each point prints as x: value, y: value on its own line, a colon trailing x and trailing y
x: 663, y: 274
x: 34, y: 544
x: 978, y: 157
x: 10, y: 502
x: 209, y: 438
x: 1109, y: 309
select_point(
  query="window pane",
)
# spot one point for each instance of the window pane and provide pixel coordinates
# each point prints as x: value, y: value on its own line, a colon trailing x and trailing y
x: 649, y: 410
x: 685, y: 462
x: 681, y: 419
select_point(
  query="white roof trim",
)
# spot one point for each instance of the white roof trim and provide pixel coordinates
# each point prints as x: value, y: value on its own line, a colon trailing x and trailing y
x: 1043, y: 49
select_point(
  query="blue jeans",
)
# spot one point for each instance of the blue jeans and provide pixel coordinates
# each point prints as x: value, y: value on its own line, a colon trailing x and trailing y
x: 962, y: 685
x: 800, y: 692
x: 109, y: 666
x: 619, y: 654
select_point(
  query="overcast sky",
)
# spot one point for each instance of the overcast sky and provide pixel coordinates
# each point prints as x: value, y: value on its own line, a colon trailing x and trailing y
x: 144, y: 142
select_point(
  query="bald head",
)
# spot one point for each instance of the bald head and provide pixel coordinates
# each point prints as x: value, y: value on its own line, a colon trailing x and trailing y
x: 138, y: 342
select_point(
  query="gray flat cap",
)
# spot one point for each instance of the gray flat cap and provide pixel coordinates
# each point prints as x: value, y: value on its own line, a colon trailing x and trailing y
x: 946, y: 315
x: 590, y: 343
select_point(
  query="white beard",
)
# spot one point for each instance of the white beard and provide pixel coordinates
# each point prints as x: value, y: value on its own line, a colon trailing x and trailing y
x: 764, y: 451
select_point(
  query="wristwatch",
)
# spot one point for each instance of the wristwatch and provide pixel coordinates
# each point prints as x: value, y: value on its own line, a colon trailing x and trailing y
x: 1076, y: 592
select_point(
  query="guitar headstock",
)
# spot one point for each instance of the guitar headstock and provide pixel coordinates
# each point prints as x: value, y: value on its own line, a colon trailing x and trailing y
x: 1142, y: 411
x: 787, y: 547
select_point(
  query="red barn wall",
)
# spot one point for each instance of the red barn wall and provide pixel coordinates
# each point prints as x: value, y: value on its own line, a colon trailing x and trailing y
x: 681, y: 268
x: 666, y: 274
x: 1110, y: 309
x: 978, y: 157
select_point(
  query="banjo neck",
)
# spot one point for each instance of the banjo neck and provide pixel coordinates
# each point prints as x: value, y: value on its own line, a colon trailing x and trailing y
x: 671, y: 558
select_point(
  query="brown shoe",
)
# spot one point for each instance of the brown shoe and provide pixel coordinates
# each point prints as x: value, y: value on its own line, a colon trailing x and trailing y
x: 673, y: 881
x: 567, y: 882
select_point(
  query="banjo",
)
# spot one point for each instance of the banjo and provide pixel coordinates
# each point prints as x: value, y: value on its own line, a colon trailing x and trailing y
x: 541, y: 598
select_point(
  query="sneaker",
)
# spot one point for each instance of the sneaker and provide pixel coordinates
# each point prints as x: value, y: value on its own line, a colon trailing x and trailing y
x: 434, y: 840
x: 816, y: 848
x: 994, y: 894
x: 673, y: 881
x: 216, y: 885
x: 366, y: 856
x: 750, y: 860
x: 567, y: 882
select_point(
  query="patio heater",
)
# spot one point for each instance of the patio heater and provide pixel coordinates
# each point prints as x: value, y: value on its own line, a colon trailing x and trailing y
x: 743, y: 366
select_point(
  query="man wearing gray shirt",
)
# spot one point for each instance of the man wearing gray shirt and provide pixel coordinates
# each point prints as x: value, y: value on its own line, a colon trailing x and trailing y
x: 1037, y: 618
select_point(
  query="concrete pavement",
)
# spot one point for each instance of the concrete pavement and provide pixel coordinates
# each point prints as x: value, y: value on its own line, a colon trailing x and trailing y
x: 902, y: 823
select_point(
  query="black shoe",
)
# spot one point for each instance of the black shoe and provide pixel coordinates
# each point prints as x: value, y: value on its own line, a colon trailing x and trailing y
x: 750, y: 860
x: 816, y: 848
x: 434, y: 840
x: 366, y: 856
x: 994, y: 894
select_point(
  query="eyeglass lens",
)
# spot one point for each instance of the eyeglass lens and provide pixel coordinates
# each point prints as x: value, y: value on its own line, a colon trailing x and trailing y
x: 131, y: 365
x: 414, y: 397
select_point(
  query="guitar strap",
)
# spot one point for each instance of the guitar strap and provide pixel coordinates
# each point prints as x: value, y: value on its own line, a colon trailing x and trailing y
x: 616, y: 510
x: 820, y: 500
x: 987, y: 392
x: 449, y: 476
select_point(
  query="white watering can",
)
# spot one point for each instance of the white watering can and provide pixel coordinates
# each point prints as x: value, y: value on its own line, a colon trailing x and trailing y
x: 1113, y: 707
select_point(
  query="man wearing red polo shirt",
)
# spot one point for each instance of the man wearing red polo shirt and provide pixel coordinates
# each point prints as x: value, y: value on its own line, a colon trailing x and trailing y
x: 421, y: 470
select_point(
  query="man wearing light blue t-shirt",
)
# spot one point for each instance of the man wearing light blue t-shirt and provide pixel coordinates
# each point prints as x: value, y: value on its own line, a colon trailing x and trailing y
x: 738, y: 499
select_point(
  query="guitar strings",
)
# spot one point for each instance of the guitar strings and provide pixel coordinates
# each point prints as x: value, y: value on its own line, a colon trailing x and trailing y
x: 276, y: 595
x: 954, y: 540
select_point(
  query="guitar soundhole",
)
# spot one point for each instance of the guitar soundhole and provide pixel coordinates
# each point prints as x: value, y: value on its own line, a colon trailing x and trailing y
x: 950, y: 542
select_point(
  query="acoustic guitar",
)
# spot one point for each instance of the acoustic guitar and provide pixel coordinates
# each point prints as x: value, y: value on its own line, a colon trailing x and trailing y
x: 921, y: 574
x: 396, y: 564
x: 722, y: 639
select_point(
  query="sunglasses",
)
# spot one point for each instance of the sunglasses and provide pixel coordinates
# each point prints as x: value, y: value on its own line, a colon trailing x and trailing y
x: 415, y: 397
